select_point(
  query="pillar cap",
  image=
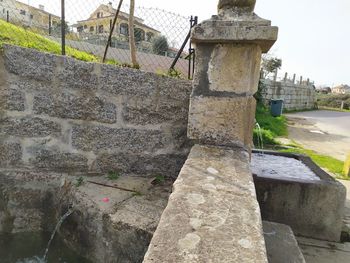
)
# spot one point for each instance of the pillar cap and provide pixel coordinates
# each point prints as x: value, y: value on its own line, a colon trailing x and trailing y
x: 244, y: 5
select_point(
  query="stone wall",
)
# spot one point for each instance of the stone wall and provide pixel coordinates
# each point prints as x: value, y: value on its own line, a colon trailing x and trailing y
x: 60, y: 114
x: 295, y: 96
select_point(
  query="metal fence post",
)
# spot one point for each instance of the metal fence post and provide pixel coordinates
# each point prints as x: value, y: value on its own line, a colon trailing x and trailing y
x: 63, y: 28
x: 50, y: 24
x: 7, y: 16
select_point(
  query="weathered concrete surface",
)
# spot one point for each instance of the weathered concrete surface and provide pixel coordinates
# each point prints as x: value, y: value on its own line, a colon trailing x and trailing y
x: 121, y: 229
x: 281, y: 245
x: 64, y: 115
x: 238, y: 71
x: 222, y: 120
x: 316, y: 251
x: 212, y: 214
x: 311, y: 208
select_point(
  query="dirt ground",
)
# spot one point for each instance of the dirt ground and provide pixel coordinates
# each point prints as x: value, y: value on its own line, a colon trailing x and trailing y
x: 322, y: 131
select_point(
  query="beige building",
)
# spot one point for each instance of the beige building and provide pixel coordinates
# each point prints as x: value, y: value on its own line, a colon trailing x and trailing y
x: 100, y: 21
x: 341, y: 89
x: 27, y: 15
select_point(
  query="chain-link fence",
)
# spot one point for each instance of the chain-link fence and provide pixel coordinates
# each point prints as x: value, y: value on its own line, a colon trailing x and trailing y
x: 158, y: 34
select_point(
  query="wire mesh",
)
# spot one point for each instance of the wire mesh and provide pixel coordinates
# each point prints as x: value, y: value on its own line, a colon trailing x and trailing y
x: 158, y: 34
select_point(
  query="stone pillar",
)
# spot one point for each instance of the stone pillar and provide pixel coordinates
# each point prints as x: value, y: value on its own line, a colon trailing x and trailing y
x: 294, y: 77
x: 275, y: 75
x: 301, y: 80
x: 285, y: 76
x: 228, y: 57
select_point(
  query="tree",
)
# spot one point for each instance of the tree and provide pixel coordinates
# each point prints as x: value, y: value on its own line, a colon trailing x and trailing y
x: 160, y: 45
x: 132, y: 44
x: 270, y: 64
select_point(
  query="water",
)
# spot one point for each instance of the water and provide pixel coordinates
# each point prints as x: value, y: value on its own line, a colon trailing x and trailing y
x: 280, y: 167
x: 64, y: 217
x: 260, y: 137
x: 25, y: 247
x: 30, y: 248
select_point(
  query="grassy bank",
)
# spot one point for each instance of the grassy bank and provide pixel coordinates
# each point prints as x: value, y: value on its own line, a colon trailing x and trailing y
x: 271, y: 127
x: 333, y: 101
x: 11, y: 34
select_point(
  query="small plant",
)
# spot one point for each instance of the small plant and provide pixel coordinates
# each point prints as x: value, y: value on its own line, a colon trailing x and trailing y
x: 112, y: 175
x: 79, y: 182
x: 137, y: 193
x: 159, y: 179
x: 112, y: 62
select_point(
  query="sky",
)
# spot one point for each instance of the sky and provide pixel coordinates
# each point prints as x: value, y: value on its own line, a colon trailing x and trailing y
x: 314, y: 35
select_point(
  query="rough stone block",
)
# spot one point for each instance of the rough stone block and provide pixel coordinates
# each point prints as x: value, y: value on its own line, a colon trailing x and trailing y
x: 212, y: 214
x: 75, y: 74
x: 30, y: 63
x: 28, y: 127
x: 221, y: 121
x: 130, y: 82
x: 58, y: 161
x: 168, y: 165
x: 10, y: 154
x: 14, y: 100
x: 234, y: 68
x: 141, y: 111
x: 97, y: 138
x: 82, y: 107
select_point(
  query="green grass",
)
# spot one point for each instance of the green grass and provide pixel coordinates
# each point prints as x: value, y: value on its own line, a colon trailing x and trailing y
x: 331, y: 164
x: 112, y: 175
x: 271, y: 127
x: 15, y: 35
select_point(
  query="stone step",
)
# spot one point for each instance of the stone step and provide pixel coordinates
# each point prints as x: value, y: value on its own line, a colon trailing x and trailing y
x: 281, y: 244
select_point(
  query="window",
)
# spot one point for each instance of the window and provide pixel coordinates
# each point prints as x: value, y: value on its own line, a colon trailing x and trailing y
x: 124, y: 29
x: 150, y: 36
x: 80, y: 29
x: 85, y: 26
x: 22, y: 12
x: 98, y: 14
x: 91, y: 29
x: 139, y: 34
x: 31, y: 16
x: 100, y: 29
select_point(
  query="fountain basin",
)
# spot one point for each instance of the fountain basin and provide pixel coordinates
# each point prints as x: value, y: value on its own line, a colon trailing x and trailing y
x: 312, y: 206
x: 30, y: 248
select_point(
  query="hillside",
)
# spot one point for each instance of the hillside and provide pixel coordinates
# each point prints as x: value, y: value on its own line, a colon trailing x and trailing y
x: 15, y: 35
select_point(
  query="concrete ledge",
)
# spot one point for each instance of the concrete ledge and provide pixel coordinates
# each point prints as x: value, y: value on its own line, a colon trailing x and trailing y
x: 212, y: 214
x: 281, y: 244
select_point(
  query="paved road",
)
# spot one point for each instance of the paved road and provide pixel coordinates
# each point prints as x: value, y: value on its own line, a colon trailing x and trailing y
x: 329, y: 121
x: 326, y: 132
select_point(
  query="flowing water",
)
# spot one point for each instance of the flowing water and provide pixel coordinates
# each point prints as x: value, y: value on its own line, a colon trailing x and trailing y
x: 260, y: 137
x: 37, y: 247
x: 64, y: 217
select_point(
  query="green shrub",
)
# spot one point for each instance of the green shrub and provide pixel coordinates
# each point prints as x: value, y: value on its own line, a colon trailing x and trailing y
x: 267, y: 136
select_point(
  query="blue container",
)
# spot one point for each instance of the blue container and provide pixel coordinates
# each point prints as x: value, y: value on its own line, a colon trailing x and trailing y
x: 276, y: 108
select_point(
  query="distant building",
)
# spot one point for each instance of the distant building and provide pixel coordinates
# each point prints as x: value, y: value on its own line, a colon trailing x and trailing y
x: 341, y: 89
x: 27, y: 15
x: 100, y: 21
x: 323, y: 90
